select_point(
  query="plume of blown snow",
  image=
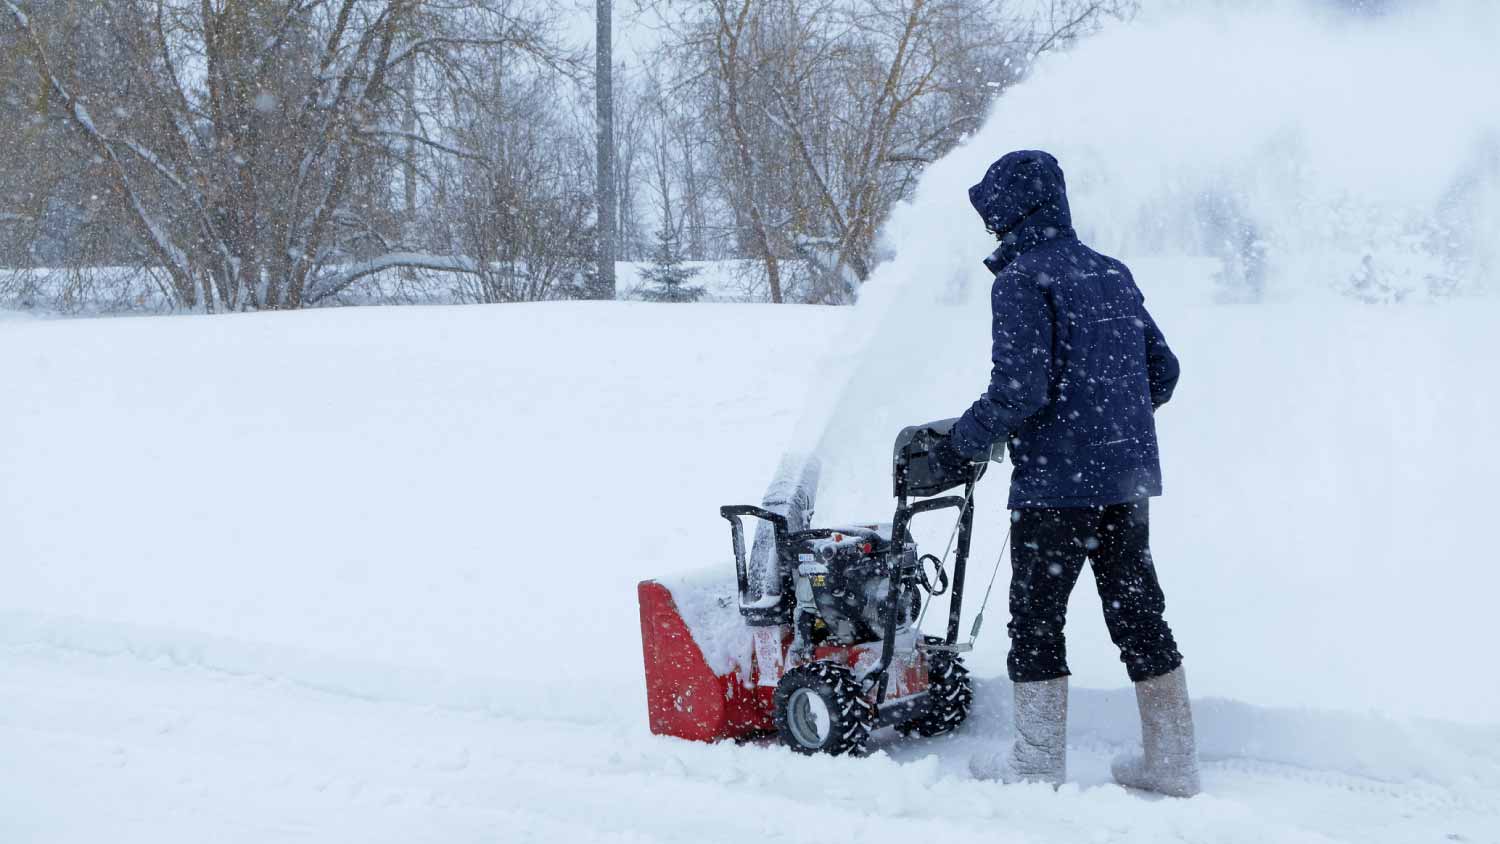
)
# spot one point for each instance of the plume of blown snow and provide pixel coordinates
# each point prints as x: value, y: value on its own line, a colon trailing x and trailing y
x: 1300, y: 151
x: 1271, y: 151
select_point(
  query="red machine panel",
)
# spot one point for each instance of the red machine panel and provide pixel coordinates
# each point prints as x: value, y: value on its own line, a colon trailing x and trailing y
x: 686, y: 699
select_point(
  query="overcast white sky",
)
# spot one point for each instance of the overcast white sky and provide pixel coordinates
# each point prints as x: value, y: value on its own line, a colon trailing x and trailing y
x: 632, y: 31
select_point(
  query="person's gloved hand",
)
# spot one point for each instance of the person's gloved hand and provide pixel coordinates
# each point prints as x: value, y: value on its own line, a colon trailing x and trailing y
x: 946, y: 455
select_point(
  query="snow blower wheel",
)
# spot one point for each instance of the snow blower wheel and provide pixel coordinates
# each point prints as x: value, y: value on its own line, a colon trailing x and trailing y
x: 950, y: 696
x: 820, y: 709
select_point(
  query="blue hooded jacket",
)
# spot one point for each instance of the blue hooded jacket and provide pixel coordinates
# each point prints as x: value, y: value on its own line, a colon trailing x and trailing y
x: 1079, y: 365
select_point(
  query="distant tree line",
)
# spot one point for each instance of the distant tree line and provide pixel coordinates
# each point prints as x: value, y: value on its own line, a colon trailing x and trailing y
x: 277, y: 154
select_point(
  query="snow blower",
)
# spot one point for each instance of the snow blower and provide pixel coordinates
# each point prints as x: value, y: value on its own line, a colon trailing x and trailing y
x: 820, y: 643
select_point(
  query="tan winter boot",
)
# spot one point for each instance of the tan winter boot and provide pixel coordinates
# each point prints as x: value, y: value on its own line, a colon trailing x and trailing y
x: 1040, y: 751
x: 1169, y: 764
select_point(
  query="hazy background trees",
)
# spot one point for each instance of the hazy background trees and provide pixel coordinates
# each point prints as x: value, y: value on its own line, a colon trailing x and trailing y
x: 268, y: 154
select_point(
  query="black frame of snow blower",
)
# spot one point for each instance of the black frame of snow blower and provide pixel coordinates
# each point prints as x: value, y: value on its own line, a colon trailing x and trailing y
x: 904, y: 571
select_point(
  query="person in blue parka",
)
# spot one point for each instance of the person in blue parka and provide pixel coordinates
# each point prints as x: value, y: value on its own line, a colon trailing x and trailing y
x: 1079, y: 370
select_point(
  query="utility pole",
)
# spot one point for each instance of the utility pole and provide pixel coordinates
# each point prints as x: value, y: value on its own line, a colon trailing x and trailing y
x: 605, y: 177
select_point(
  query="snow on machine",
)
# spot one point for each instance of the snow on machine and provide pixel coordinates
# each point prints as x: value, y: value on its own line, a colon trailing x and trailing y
x: 817, y: 639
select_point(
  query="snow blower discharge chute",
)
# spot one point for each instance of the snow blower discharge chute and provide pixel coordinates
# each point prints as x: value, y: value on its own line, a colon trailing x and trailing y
x: 819, y: 644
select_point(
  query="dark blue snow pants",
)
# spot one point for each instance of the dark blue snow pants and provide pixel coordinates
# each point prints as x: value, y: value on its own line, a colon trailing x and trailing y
x: 1048, y: 549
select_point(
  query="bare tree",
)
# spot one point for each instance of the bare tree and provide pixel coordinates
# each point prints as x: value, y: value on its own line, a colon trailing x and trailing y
x: 827, y: 110
x: 52, y: 208
x: 518, y: 202
x: 251, y: 124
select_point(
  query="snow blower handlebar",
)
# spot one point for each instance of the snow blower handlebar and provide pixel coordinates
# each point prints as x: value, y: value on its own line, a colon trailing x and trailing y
x: 915, y: 469
x: 769, y: 608
x: 916, y: 473
x: 965, y: 505
x: 905, y: 571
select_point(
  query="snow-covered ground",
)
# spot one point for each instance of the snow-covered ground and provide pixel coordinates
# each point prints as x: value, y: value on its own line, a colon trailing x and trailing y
x: 368, y: 575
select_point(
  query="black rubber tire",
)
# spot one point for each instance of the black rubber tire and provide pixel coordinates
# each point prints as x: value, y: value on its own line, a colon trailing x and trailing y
x: 851, y: 716
x: 950, y: 696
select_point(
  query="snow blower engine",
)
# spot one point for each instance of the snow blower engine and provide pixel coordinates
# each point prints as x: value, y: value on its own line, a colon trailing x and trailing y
x: 818, y: 644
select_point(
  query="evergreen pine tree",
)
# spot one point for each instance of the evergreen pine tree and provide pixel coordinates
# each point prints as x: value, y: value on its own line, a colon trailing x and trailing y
x: 667, y: 279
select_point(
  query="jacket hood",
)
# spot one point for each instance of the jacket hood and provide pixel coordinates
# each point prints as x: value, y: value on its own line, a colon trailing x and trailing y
x: 1023, y: 199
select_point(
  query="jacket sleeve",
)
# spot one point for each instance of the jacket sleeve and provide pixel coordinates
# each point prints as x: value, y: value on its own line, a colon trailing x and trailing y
x: 1162, y: 368
x: 1022, y: 358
